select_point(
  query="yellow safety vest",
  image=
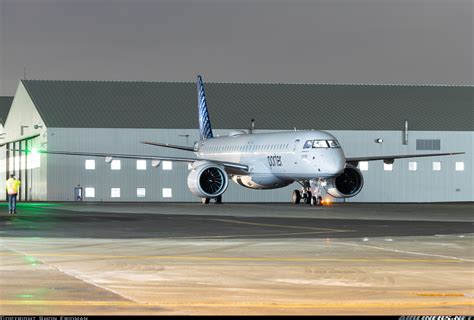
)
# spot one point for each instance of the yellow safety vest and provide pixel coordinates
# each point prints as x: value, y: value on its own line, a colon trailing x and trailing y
x: 13, y: 185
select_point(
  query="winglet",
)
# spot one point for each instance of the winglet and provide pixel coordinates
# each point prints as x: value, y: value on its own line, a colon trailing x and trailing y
x: 205, y: 130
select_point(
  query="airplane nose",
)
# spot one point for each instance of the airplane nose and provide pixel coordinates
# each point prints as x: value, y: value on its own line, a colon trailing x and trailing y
x: 338, y: 164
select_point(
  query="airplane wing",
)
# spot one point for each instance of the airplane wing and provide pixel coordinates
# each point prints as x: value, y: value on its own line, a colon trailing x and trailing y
x: 391, y: 159
x: 231, y: 167
x: 167, y: 145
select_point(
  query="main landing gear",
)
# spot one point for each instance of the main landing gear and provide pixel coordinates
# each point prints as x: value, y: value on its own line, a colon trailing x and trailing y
x: 217, y: 200
x: 310, y: 193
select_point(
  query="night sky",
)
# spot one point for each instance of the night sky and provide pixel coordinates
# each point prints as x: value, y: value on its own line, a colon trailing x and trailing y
x: 332, y: 41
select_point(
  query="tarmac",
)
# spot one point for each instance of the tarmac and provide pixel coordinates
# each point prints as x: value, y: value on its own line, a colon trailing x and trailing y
x: 236, y: 259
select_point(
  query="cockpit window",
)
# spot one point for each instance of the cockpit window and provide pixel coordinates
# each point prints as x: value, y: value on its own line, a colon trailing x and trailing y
x: 308, y: 144
x: 320, y: 144
x: 324, y: 144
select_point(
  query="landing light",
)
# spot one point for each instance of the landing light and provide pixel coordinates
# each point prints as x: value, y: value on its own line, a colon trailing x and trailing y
x: 326, y: 201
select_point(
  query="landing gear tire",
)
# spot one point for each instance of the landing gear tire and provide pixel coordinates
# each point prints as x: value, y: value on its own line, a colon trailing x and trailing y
x: 316, y: 201
x: 296, y: 197
x: 218, y: 200
x: 205, y: 200
x: 308, y: 198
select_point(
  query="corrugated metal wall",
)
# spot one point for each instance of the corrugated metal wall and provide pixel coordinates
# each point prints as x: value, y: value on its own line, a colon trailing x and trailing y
x: 399, y: 185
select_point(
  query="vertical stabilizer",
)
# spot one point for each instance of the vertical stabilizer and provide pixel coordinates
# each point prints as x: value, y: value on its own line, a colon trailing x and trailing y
x: 205, y: 130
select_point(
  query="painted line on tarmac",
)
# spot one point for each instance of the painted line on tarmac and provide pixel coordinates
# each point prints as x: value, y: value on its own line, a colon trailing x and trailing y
x: 203, y: 258
x: 441, y: 295
x: 251, y: 235
x: 23, y: 254
x: 405, y: 252
x: 328, y: 305
x: 280, y: 226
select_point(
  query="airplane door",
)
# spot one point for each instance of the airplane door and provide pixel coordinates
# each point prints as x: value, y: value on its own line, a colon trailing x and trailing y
x: 295, y: 151
x: 297, y: 143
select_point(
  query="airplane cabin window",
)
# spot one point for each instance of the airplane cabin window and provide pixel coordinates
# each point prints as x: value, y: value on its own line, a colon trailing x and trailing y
x: 333, y: 144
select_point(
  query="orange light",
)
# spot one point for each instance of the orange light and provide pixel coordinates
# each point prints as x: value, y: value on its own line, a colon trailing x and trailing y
x: 326, y: 201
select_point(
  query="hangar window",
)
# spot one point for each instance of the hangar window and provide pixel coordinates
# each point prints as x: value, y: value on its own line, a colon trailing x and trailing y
x: 428, y: 144
x: 141, y: 164
x: 115, y: 192
x: 460, y: 166
x: 89, y: 192
x: 167, y: 193
x: 33, y: 161
x: 116, y: 165
x: 388, y: 167
x: 412, y: 166
x: 90, y: 164
x: 437, y: 166
x: 141, y: 192
x: 364, y: 165
x: 167, y: 165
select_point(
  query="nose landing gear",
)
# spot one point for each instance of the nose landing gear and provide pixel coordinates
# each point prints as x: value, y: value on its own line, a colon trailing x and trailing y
x: 310, y: 193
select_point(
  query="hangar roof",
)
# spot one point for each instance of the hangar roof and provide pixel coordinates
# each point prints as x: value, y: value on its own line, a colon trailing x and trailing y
x: 115, y: 104
x: 5, y: 104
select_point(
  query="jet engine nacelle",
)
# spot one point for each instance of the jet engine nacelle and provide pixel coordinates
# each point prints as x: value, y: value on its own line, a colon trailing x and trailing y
x: 346, y: 185
x: 207, y: 180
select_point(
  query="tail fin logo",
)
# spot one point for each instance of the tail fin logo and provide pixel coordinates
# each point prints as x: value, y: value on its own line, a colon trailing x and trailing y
x: 205, y: 130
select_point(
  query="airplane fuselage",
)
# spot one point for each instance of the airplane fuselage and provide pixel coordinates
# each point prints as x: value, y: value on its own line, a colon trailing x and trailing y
x: 276, y: 160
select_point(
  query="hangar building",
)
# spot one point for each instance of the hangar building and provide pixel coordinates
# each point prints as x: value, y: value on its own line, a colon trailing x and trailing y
x: 107, y: 116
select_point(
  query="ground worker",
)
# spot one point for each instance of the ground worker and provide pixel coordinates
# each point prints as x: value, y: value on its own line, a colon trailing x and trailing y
x: 13, y: 185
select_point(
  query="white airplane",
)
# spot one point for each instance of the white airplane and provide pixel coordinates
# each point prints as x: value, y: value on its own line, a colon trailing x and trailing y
x: 314, y: 159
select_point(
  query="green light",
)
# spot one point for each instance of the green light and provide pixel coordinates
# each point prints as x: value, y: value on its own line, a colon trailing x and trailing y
x: 32, y: 261
x: 38, y: 204
x: 24, y: 296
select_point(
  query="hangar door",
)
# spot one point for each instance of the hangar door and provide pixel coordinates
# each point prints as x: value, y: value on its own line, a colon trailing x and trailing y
x: 20, y: 161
